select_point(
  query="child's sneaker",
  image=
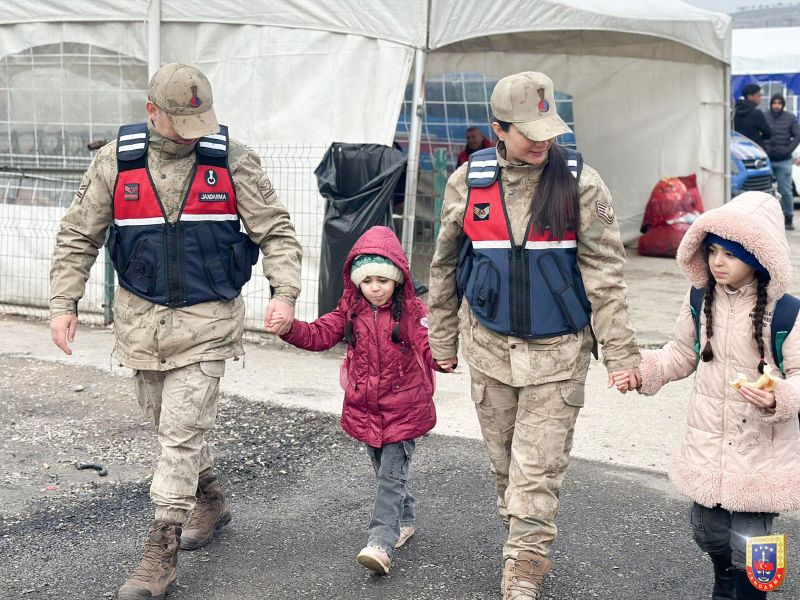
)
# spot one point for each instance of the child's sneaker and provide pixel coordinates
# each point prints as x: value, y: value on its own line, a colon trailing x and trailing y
x: 375, y: 559
x: 405, y: 533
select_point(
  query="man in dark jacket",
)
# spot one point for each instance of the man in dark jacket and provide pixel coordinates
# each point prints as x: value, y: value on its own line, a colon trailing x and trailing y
x: 748, y: 118
x: 785, y: 138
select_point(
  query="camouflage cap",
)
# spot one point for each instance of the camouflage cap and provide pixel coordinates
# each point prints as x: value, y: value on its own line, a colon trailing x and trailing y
x: 184, y: 93
x: 527, y: 100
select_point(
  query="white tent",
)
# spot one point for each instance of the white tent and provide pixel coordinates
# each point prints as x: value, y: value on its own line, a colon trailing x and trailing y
x: 648, y: 78
x: 766, y: 51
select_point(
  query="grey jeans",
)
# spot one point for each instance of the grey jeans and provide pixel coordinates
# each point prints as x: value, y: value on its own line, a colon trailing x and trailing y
x: 394, y: 504
x: 717, y: 531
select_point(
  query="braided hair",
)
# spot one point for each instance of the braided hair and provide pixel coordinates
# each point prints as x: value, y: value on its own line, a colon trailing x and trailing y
x: 758, y: 316
x: 708, y: 300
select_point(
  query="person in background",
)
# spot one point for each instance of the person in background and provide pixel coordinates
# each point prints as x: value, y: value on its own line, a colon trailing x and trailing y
x: 785, y: 138
x: 748, y: 118
x: 475, y: 141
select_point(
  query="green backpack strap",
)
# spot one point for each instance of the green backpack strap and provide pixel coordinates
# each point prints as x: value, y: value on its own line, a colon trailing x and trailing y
x: 696, y: 305
x: 783, y: 319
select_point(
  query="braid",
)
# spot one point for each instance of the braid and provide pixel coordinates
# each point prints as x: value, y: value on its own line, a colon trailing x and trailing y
x: 758, y: 316
x: 397, y: 312
x: 708, y: 300
x: 348, y: 331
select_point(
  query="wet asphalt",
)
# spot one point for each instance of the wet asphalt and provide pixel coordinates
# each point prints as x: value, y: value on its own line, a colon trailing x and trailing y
x: 302, y: 493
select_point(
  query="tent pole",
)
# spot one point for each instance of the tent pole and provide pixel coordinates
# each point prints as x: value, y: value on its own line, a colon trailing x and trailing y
x: 727, y: 115
x: 153, y: 37
x: 412, y: 171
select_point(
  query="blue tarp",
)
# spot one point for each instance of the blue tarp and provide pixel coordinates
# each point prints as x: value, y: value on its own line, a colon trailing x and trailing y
x: 790, y: 80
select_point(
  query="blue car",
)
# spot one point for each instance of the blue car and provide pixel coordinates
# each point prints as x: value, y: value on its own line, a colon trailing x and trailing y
x: 750, y: 166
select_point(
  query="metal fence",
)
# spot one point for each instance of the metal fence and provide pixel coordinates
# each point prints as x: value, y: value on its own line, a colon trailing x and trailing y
x: 33, y: 199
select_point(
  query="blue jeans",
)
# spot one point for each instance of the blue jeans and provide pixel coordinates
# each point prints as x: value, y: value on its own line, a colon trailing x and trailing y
x: 783, y: 173
x: 717, y: 531
x: 394, y: 504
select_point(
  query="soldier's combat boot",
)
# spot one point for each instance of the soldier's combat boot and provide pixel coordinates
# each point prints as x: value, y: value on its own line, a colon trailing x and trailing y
x: 522, y: 578
x: 157, y: 571
x: 211, y: 513
x: 724, y: 577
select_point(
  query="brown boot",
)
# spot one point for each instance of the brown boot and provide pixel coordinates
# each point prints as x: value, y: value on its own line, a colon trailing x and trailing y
x: 522, y: 578
x: 158, y: 569
x: 211, y: 513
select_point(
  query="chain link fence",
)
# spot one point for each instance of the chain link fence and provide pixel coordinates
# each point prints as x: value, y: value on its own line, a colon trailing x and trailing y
x: 34, y: 198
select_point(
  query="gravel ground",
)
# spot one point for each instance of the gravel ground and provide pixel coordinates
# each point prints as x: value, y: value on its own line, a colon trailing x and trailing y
x: 302, y: 493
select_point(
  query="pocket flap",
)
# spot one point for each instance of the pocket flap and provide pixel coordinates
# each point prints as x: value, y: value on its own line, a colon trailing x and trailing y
x: 213, y: 368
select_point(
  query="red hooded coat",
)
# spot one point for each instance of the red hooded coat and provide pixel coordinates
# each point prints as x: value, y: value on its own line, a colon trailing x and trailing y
x: 388, y: 387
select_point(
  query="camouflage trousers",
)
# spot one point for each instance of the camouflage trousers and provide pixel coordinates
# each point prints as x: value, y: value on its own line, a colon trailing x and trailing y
x: 182, y: 403
x: 528, y: 433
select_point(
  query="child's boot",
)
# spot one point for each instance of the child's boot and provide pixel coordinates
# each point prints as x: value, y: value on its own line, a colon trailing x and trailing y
x: 523, y: 577
x: 745, y: 589
x: 375, y: 559
x: 405, y: 533
x: 724, y: 577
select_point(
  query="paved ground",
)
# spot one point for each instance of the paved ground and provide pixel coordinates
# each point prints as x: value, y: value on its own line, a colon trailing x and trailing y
x: 302, y: 492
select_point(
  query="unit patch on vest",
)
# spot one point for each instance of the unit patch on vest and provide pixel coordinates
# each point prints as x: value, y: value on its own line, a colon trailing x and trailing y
x: 480, y: 212
x: 605, y: 212
x: 131, y: 191
x: 213, y: 196
x: 211, y: 177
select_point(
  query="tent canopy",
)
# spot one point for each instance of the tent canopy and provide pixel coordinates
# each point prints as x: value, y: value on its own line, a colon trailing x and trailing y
x: 648, y: 78
x: 766, y: 51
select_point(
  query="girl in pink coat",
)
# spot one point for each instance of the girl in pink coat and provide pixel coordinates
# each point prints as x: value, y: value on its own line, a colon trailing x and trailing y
x: 387, y: 377
x: 740, y: 457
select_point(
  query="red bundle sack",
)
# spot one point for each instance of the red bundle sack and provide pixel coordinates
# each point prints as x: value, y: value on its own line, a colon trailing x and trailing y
x: 673, y: 206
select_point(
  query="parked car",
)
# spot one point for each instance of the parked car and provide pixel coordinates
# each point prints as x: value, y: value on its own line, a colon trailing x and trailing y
x: 750, y: 166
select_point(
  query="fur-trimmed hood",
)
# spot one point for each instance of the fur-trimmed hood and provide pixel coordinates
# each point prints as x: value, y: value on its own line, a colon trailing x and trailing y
x: 754, y: 220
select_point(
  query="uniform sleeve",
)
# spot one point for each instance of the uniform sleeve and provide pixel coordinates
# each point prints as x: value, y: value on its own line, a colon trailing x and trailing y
x: 82, y: 233
x: 676, y: 360
x: 267, y: 222
x: 787, y: 392
x: 442, y: 297
x: 601, y: 258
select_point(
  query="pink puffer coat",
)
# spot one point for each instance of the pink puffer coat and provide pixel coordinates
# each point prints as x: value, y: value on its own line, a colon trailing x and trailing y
x: 734, y: 454
x: 389, y: 387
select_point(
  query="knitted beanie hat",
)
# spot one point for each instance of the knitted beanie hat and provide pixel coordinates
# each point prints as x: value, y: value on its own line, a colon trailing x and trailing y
x: 374, y: 265
x: 736, y: 249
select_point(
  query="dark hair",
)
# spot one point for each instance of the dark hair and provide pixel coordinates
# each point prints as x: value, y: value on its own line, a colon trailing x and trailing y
x: 556, y: 201
x: 396, y: 309
x: 777, y: 96
x: 762, y: 279
x: 750, y: 89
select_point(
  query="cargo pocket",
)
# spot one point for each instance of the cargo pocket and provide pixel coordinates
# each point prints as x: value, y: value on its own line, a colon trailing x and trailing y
x: 484, y: 298
x: 478, y: 391
x: 573, y: 393
x: 213, y: 368
x: 140, y: 271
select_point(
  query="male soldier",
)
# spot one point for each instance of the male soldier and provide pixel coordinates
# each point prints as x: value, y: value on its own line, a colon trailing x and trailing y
x: 171, y: 193
x: 529, y: 239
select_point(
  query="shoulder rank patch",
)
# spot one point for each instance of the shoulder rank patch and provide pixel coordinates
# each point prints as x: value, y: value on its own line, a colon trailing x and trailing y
x: 480, y: 211
x: 766, y: 561
x: 605, y: 212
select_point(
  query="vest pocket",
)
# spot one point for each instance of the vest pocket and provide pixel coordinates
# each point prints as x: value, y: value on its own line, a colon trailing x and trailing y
x: 485, y: 290
x: 244, y: 254
x: 212, y: 261
x: 140, y: 270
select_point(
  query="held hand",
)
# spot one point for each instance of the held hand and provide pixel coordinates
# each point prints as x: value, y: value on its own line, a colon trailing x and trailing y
x: 62, y: 330
x: 758, y: 398
x: 625, y: 381
x: 278, y: 317
x: 448, y: 365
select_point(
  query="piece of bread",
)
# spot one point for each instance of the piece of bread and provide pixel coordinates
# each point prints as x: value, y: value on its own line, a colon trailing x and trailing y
x: 766, y: 382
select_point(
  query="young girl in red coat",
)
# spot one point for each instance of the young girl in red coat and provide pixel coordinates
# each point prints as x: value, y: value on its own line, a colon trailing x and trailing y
x: 387, y: 377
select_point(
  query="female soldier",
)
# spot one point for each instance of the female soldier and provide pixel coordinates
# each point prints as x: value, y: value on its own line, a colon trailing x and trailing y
x: 529, y: 239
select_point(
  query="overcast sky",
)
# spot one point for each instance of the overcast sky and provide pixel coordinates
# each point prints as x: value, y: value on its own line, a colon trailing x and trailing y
x: 730, y: 6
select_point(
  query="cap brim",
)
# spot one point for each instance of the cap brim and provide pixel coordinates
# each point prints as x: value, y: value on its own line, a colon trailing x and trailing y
x: 190, y: 127
x: 543, y: 129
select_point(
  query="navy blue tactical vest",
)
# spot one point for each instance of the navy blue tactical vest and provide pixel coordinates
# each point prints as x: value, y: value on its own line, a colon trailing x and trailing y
x: 201, y: 257
x: 529, y: 290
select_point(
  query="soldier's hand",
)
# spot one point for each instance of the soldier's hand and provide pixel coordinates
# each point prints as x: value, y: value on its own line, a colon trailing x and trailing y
x: 278, y: 317
x: 448, y: 365
x: 62, y: 330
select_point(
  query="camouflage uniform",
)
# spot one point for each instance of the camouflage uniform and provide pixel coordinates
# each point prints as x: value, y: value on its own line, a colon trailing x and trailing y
x: 177, y: 354
x: 528, y: 392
